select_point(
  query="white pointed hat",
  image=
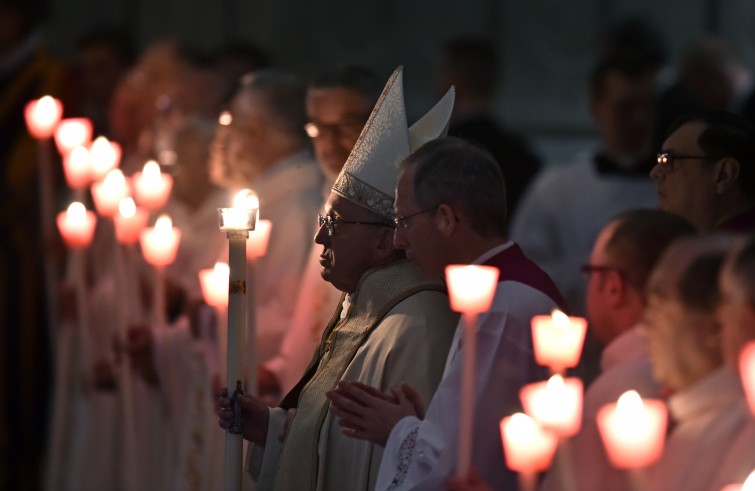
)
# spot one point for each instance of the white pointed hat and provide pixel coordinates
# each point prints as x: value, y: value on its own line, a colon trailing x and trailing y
x: 370, y: 174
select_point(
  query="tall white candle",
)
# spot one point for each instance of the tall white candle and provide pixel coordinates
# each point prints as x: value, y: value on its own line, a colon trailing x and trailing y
x: 471, y: 290
x: 236, y: 222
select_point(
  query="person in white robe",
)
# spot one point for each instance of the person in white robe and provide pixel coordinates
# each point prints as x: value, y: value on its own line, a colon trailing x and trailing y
x: 450, y: 208
x: 563, y: 210
x: 687, y: 357
x: 618, y: 268
x: 394, y: 324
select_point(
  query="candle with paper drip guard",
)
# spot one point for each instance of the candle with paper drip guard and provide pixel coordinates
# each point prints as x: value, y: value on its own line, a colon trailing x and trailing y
x: 555, y: 404
x: 130, y: 221
x: 77, y: 168
x: 633, y: 432
x: 159, y: 247
x: 236, y: 222
x: 71, y: 133
x: 104, y: 156
x: 152, y: 187
x: 214, y: 285
x: 527, y: 447
x: 76, y: 226
x: 256, y: 247
x: 471, y: 290
x: 42, y: 116
x: 108, y: 194
x: 558, y: 339
x: 748, y: 485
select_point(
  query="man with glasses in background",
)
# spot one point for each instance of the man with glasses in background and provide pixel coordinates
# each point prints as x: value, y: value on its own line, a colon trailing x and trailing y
x: 338, y: 104
x: 706, y: 172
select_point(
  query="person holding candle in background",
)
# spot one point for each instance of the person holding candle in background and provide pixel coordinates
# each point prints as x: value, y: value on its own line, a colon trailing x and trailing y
x: 338, y: 104
x: 266, y: 151
x: 617, y: 271
x: 685, y: 341
x: 393, y: 324
x: 450, y: 208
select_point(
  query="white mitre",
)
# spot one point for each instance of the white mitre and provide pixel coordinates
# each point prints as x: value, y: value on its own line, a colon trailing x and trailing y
x: 370, y: 174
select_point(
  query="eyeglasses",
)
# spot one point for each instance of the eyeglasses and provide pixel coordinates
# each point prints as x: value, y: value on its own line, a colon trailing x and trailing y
x: 588, y: 269
x: 317, y: 130
x: 666, y: 159
x: 330, y: 223
x: 403, y: 221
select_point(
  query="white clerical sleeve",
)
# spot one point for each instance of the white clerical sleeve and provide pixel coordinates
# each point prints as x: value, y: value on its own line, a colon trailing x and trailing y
x: 262, y: 461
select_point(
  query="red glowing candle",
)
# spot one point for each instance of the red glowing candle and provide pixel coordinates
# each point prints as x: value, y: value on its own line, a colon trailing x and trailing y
x: 471, y: 290
x: 42, y: 116
x: 558, y: 340
x: 747, y: 373
x: 108, y: 194
x: 160, y: 243
x: 256, y: 246
x: 77, y: 168
x: 633, y: 431
x: 104, y: 156
x: 214, y: 283
x: 556, y: 404
x: 71, y: 133
x: 130, y: 221
x: 76, y: 225
x: 152, y: 187
x: 527, y: 447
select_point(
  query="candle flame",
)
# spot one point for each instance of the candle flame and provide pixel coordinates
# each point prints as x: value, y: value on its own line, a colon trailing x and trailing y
x: 555, y: 384
x: 76, y: 212
x: 105, y: 155
x: 47, y: 110
x: 629, y: 405
x: 79, y: 157
x: 164, y: 225
x: 127, y: 207
x: 749, y: 484
x: 247, y: 199
x: 560, y: 320
x: 225, y: 118
x: 522, y: 427
x: 222, y: 269
x: 114, y: 180
x: 151, y: 171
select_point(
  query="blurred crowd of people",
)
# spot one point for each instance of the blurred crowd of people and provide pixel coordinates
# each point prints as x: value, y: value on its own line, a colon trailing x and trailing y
x: 668, y: 296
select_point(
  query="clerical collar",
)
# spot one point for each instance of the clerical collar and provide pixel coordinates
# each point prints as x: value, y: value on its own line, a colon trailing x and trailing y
x: 606, y: 165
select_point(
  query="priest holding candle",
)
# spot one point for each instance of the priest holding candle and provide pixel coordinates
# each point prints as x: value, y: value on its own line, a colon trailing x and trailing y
x: 393, y: 323
x: 450, y: 208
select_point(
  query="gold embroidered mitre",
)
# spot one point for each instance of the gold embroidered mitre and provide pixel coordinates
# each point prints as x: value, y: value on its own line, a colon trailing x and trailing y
x: 370, y: 174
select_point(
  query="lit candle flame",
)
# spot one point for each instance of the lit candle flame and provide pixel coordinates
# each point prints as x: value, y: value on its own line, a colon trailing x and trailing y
x: 222, y: 269
x: 127, y: 207
x: 114, y: 180
x: 151, y: 171
x: 247, y: 199
x: 164, y: 225
x: 556, y: 384
x: 225, y: 118
x: 629, y: 406
x: 749, y: 484
x: 76, y: 212
x: 560, y: 320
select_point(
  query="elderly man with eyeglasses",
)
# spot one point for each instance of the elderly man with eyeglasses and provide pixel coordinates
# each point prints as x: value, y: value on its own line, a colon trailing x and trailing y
x: 393, y: 324
x: 706, y: 172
